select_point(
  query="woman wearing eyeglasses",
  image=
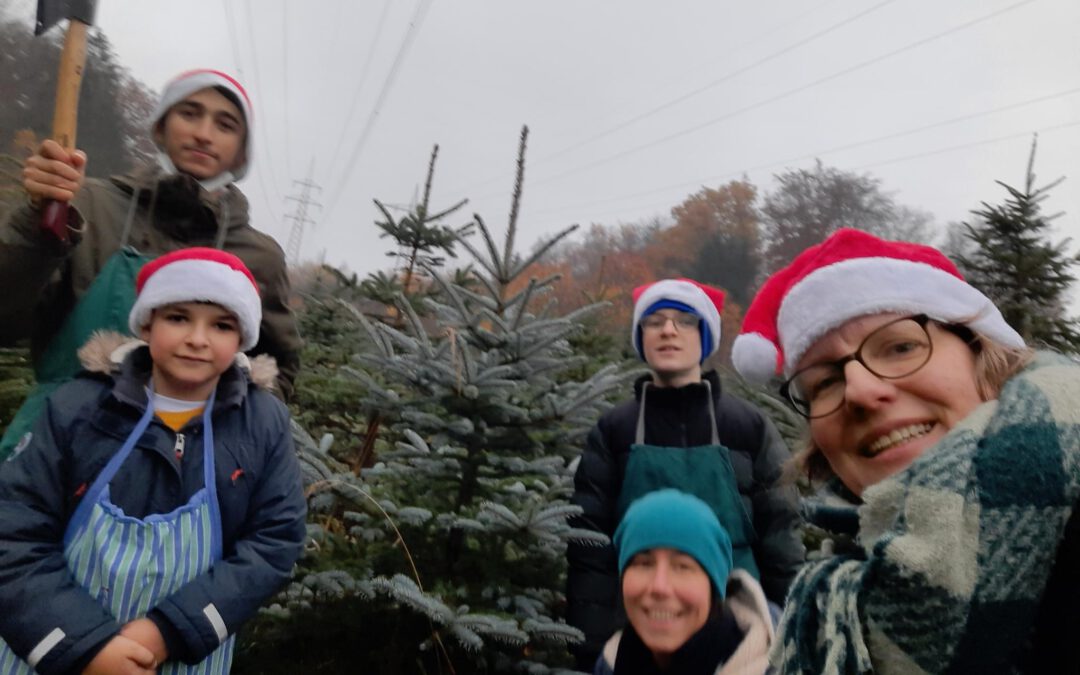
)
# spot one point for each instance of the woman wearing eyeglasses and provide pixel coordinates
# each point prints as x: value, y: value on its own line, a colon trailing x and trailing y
x: 959, y: 444
x: 681, y: 430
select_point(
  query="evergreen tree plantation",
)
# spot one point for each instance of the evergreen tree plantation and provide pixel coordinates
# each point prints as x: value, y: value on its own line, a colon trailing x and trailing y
x: 447, y: 555
x: 443, y: 400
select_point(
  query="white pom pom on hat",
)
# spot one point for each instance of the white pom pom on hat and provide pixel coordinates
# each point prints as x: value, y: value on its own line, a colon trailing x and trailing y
x: 199, y: 275
x: 853, y: 274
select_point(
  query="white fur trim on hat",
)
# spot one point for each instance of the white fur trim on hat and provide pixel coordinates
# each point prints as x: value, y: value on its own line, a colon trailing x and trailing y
x: 832, y: 295
x: 679, y: 291
x: 754, y: 357
x: 188, y: 83
x: 194, y: 280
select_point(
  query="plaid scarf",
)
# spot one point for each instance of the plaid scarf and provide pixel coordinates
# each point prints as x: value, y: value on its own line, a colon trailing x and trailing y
x: 956, y: 550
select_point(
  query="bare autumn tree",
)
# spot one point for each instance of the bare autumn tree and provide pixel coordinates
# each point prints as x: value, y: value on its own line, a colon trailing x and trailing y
x: 715, y: 239
x: 10, y: 178
x: 606, y: 264
x: 114, y: 107
x: 810, y: 204
x: 114, y: 110
x: 585, y: 256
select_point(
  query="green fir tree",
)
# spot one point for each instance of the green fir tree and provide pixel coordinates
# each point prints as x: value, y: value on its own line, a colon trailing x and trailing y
x: 323, y: 397
x: 16, y: 380
x: 448, y: 555
x: 1016, y: 265
x: 422, y: 243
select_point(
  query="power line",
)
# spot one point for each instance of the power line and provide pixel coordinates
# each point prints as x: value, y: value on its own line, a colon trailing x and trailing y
x: 786, y: 94
x: 819, y: 153
x: 331, y: 57
x: 258, y: 86
x: 300, y: 217
x: 735, y: 73
x: 364, y: 70
x: 266, y: 199
x: 939, y: 151
x: 410, y: 35
x: 688, y: 95
x: 285, y: 82
x: 892, y: 160
x: 230, y: 21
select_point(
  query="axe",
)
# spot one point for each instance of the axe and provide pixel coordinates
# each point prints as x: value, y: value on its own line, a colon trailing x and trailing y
x: 80, y: 15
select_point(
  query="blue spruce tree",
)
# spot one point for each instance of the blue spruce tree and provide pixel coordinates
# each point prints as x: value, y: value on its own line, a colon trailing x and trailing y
x: 461, y: 524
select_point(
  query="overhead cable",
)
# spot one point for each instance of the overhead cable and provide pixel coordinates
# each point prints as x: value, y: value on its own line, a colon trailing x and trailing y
x: 891, y: 160
x: 364, y: 70
x: 785, y: 94
x: 357, y: 149
x: 817, y: 153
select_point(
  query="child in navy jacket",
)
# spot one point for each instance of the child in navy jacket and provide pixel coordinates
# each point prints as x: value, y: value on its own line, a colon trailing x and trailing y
x: 157, y: 503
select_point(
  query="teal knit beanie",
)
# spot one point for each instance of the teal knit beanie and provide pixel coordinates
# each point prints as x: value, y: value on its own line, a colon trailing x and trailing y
x: 673, y: 519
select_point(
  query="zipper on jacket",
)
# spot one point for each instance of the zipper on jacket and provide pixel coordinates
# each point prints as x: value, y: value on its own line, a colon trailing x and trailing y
x: 179, y: 447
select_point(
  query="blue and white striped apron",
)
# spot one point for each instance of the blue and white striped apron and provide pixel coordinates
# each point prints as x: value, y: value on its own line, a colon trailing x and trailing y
x: 130, y: 564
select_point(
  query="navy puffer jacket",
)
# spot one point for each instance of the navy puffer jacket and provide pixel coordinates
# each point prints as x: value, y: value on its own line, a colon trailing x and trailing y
x: 85, y: 422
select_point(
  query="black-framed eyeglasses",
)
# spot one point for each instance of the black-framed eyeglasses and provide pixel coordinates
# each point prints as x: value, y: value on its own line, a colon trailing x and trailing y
x: 891, y: 351
x: 681, y: 320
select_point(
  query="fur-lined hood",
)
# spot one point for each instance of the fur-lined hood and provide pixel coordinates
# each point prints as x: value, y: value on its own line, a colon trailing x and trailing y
x: 106, y: 350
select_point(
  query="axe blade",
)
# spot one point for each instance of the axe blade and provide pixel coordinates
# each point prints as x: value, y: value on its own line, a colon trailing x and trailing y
x: 50, y: 12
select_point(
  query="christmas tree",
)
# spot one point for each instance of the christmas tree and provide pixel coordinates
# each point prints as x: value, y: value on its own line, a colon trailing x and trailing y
x: 457, y: 535
x: 1016, y: 265
x: 423, y: 243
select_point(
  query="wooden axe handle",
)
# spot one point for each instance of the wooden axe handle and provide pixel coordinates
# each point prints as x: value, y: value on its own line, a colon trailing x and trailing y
x: 66, y: 114
x: 72, y: 62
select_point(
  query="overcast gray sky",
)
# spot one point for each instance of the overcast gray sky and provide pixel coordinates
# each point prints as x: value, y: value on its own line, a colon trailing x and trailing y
x: 631, y: 105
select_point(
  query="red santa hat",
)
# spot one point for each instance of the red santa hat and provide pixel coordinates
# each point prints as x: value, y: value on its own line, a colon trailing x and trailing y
x: 853, y: 274
x: 683, y: 294
x: 199, y: 275
x: 187, y: 83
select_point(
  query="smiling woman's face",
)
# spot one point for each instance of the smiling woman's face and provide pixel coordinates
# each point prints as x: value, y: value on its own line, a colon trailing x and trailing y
x: 885, y: 425
x: 667, y: 596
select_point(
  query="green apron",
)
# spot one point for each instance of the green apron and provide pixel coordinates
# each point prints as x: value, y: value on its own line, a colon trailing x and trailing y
x: 704, y: 471
x: 104, y: 306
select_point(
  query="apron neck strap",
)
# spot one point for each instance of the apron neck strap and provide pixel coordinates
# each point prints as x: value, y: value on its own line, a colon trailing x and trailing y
x: 712, y: 411
x: 210, y: 478
x: 223, y: 220
x: 82, y: 511
x: 639, y: 433
x: 129, y: 219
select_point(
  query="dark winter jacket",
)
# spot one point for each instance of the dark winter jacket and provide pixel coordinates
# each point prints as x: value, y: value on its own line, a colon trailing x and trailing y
x: 1057, y: 627
x: 44, y: 279
x: 84, y: 424
x: 678, y: 417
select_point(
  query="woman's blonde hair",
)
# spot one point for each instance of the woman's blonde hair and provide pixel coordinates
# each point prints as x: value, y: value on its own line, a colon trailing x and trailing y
x: 994, y: 365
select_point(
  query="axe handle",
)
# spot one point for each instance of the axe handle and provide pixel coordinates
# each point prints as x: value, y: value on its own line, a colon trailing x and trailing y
x: 66, y: 114
x: 72, y: 62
